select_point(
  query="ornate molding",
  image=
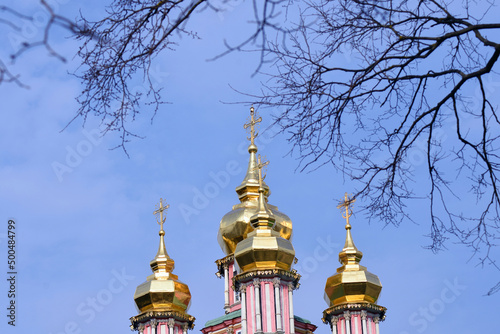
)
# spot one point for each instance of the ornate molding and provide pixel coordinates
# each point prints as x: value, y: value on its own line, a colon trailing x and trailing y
x: 347, y: 315
x: 171, y: 323
x: 224, y: 261
x: 363, y: 315
x: 162, y: 316
x: 376, y: 320
x: 276, y: 282
x: 256, y: 282
x: 153, y: 323
x: 370, y: 309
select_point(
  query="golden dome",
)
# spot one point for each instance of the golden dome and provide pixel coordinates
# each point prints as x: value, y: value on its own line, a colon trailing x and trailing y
x: 352, y: 283
x: 235, y: 225
x: 264, y: 248
x: 162, y: 290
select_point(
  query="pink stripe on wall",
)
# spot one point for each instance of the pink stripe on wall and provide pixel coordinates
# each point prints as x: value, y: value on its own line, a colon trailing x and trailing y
x: 273, y: 308
x: 251, y: 310
x: 264, y: 307
x: 374, y: 327
x: 286, y: 310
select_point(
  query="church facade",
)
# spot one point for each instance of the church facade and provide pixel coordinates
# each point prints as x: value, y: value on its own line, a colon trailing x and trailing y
x: 257, y: 270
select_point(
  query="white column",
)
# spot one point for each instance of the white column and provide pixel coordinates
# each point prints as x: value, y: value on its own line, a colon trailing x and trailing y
x: 334, y: 322
x: 258, y: 319
x: 347, y: 317
x: 369, y: 321
x: 356, y: 326
x: 267, y: 295
x: 290, y: 307
x: 171, y: 324
x: 185, y: 329
x: 277, y: 302
x: 376, y: 320
x: 140, y: 328
x: 363, y: 322
x: 226, y: 287
x: 243, y: 289
x: 153, y: 324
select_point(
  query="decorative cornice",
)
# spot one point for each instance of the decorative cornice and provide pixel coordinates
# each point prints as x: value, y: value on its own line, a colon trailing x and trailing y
x: 373, y: 309
x: 162, y: 315
x: 286, y: 277
x: 224, y: 261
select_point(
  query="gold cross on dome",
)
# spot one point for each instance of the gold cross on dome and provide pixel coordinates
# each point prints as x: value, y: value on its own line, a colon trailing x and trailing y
x: 251, y: 124
x: 346, y: 204
x: 163, y: 206
x: 259, y: 166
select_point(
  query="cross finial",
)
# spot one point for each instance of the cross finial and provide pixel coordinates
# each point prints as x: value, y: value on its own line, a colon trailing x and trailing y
x: 163, y: 206
x: 259, y: 166
x: 253, y: 122
x: 346, y: 204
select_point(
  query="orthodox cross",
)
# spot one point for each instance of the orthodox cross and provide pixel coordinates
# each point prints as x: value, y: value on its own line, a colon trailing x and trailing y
x: 259, y: 166
x: 160, y: 210
x: 251, y: 125
x: 346, y: 204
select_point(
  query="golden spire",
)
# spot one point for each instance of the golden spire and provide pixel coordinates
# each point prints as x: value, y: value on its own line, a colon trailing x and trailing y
x: 264, y: 218
x: 162, y: 262
x: 350, y: 252
x: 248, y: 189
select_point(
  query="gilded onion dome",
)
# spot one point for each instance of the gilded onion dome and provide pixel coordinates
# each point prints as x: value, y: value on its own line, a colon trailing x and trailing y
x: 264, y: 248
x: 162, y: 290
x: 235, y: 225
x: 352, y: 283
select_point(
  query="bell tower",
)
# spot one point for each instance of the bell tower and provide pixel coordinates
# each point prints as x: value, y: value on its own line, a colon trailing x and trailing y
x: 257, y: 270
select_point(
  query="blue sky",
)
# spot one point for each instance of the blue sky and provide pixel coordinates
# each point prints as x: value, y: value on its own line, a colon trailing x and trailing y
x: 85, y: 236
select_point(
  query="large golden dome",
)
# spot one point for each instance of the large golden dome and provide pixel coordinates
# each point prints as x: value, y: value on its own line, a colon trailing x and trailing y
x: 352, y: 283
x: 235, y: 225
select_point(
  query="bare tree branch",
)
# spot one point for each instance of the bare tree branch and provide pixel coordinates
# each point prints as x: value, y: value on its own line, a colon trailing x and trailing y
x: 405, y: 84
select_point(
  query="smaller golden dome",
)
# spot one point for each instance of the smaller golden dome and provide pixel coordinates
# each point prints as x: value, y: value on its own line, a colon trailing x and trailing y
x: 162, y: 290
x: 264, y: 248
x: 352, y: 283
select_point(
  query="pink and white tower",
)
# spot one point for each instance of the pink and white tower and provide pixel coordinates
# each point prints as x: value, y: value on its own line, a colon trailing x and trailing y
x: 257, y: 270
x: 353, y: 291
